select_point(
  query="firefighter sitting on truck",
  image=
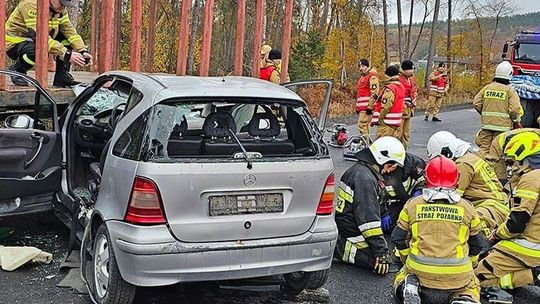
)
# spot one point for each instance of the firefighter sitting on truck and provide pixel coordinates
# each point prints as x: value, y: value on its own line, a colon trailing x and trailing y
x: 495, y: 155
x: 515, y: 260
x: 477, y: 180
x: 499, y: 108
x: 388, y: 112
x: 401, y: 183
x: 360, y: 237
x: 438, y: 237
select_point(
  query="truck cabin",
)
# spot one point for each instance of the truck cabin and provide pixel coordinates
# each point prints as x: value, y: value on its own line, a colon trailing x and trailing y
x: 524, y: 53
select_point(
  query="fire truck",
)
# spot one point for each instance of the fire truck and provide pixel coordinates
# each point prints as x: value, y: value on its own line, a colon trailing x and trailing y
x: 524, y: 55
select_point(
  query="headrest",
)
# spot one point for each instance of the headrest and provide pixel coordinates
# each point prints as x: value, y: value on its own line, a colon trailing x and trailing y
x: 217, y: 124
x: 264, y: 125
x: 179, y: 130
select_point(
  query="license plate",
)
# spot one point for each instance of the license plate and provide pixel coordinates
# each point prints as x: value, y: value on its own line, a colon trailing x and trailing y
x: 246, y: 204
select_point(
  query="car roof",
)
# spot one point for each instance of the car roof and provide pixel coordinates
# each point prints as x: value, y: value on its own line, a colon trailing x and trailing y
x: 166, y: 86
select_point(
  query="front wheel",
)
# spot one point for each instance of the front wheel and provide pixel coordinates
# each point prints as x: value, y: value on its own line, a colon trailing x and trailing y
x: 108, y: 285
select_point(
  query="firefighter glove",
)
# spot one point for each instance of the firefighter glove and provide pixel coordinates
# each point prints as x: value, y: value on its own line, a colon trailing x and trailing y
x: 382, y: 264
x: 386, y: 223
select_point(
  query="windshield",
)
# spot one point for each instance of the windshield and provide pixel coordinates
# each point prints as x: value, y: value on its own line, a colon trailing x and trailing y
x: 527, y: 53
x: 180, y: 129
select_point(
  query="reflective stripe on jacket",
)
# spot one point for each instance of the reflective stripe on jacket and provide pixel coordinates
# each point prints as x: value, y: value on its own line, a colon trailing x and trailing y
x: 390, y: 105
x: 499, y: 107
x: 439, y: 85
x: 366, y: 88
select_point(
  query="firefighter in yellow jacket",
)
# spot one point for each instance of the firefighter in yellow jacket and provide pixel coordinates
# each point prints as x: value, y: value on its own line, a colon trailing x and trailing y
x: 495, y: 155
x: 477, y: 183
x: 515, y: 260
x: 388, y: 112
x: 438, y: 239
x: 64, y: 42
x: 499, y: 107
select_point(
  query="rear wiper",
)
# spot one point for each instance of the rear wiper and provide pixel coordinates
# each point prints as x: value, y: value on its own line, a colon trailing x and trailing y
x: 246, y: 156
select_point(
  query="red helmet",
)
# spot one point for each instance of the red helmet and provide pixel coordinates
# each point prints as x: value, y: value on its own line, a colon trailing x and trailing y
x: 441, y: 172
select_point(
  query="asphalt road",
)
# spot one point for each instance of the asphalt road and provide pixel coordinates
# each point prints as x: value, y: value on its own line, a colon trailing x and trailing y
x: 347, y: 284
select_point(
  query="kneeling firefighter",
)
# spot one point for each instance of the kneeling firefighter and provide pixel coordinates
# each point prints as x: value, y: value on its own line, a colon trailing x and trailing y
x: 401, y: 183
x: 438, y: 238
x: 515, y: 260
x: 360, y: 240
x: 477, y: 183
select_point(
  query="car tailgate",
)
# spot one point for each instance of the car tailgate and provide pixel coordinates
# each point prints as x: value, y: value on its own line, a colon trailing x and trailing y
x: 187, y: 188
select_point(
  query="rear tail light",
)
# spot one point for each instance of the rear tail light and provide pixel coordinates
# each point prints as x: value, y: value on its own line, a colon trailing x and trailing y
x: 326, y: 204
x: 145, y: 207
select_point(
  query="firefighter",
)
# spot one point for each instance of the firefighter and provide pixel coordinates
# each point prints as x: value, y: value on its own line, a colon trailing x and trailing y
x: 477, y: 183
x: 438, y: 239
x: 495, y: 155
x: 367, y: 94
x: 265, y: 51
x: 515, y: 260
x: 401, y: 183
x: 64, y: 43
x: 499, y: 107
x: 360, y: 237
x: 272, y: 70
x: 388, y: 110
x: 408, y: 81
x: 437, y: 91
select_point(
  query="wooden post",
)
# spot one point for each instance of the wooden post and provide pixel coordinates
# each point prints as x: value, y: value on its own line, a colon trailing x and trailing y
x: 94, y: 35
x: 136, y: 43
x: 117, y: 33
x: 240, y: 33
x: 183, y: 39
x: 105, y: 36
x: 2, y: 43
x: 207, y: 38
x: 286, y: 45
x: 42, y: 37
x: 151, y: 36
x: 257, y: 42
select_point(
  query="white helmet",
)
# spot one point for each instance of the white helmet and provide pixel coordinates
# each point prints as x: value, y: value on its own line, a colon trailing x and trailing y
x: 444, y: 143
x: 504, y: 70
x: 386, y: 149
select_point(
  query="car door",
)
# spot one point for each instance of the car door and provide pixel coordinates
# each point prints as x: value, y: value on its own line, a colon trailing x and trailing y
x: 30, y: 152
x: 316, y: 93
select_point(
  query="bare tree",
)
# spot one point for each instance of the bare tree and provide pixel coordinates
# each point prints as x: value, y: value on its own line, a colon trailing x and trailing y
x: 449, y: 33
x: 385, y: 17
x: 400, y: 32
x: 499, y: 9
x: 409, y: 33
x: 427, y: 12
x: 432, y: 43
x: 324, y: 17
x: 474, y: 9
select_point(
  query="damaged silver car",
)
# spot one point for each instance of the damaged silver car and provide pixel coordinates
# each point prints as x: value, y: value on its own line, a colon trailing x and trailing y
x: 171, y: 179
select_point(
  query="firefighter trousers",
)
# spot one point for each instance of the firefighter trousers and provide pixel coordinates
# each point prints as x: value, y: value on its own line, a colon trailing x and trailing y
x: 484, y: 140
x: 434, y: 105
x: 354, y: 250
x: 386, y: 130
x: 504, y: 270
x: 24, y: 53
x: 405, y: 132
x: 472, y: 289
x: 492, y: 213
x: 364, y: 122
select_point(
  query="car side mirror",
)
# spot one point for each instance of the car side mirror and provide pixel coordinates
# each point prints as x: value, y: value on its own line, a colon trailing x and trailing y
x: 19, y: 121
x: 505, y: 50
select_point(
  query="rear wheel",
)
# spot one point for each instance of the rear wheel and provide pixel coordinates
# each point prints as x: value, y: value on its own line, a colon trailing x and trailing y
x: 108, y: 285
x: 300, y: 280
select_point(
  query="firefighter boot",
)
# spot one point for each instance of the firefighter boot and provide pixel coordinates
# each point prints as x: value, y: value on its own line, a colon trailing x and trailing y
x: 62, y: 78
x: 536, y: 276
x: 463, y: 300
x: 411, y: 290
x: 20, y: 67
x: 496, y: 295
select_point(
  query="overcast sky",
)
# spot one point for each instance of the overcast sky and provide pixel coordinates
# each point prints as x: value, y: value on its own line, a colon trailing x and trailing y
x: 526, y: 6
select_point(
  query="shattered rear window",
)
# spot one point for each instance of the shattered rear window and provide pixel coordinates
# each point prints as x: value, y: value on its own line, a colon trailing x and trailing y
x: 223, y: 129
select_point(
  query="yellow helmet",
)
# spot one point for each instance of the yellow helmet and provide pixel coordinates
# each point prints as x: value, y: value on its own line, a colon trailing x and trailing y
x: 522, y: 145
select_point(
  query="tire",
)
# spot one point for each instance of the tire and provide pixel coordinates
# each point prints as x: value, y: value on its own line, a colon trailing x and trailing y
x: 112, y: 289
x: 296, y: 282
x: 317, y: 279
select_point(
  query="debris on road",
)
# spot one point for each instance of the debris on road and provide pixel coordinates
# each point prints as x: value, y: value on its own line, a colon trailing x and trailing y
x: 5, y: 232
x: 12, y: 258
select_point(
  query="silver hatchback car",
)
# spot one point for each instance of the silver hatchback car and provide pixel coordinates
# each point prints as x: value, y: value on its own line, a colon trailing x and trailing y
x: 183, y: 179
